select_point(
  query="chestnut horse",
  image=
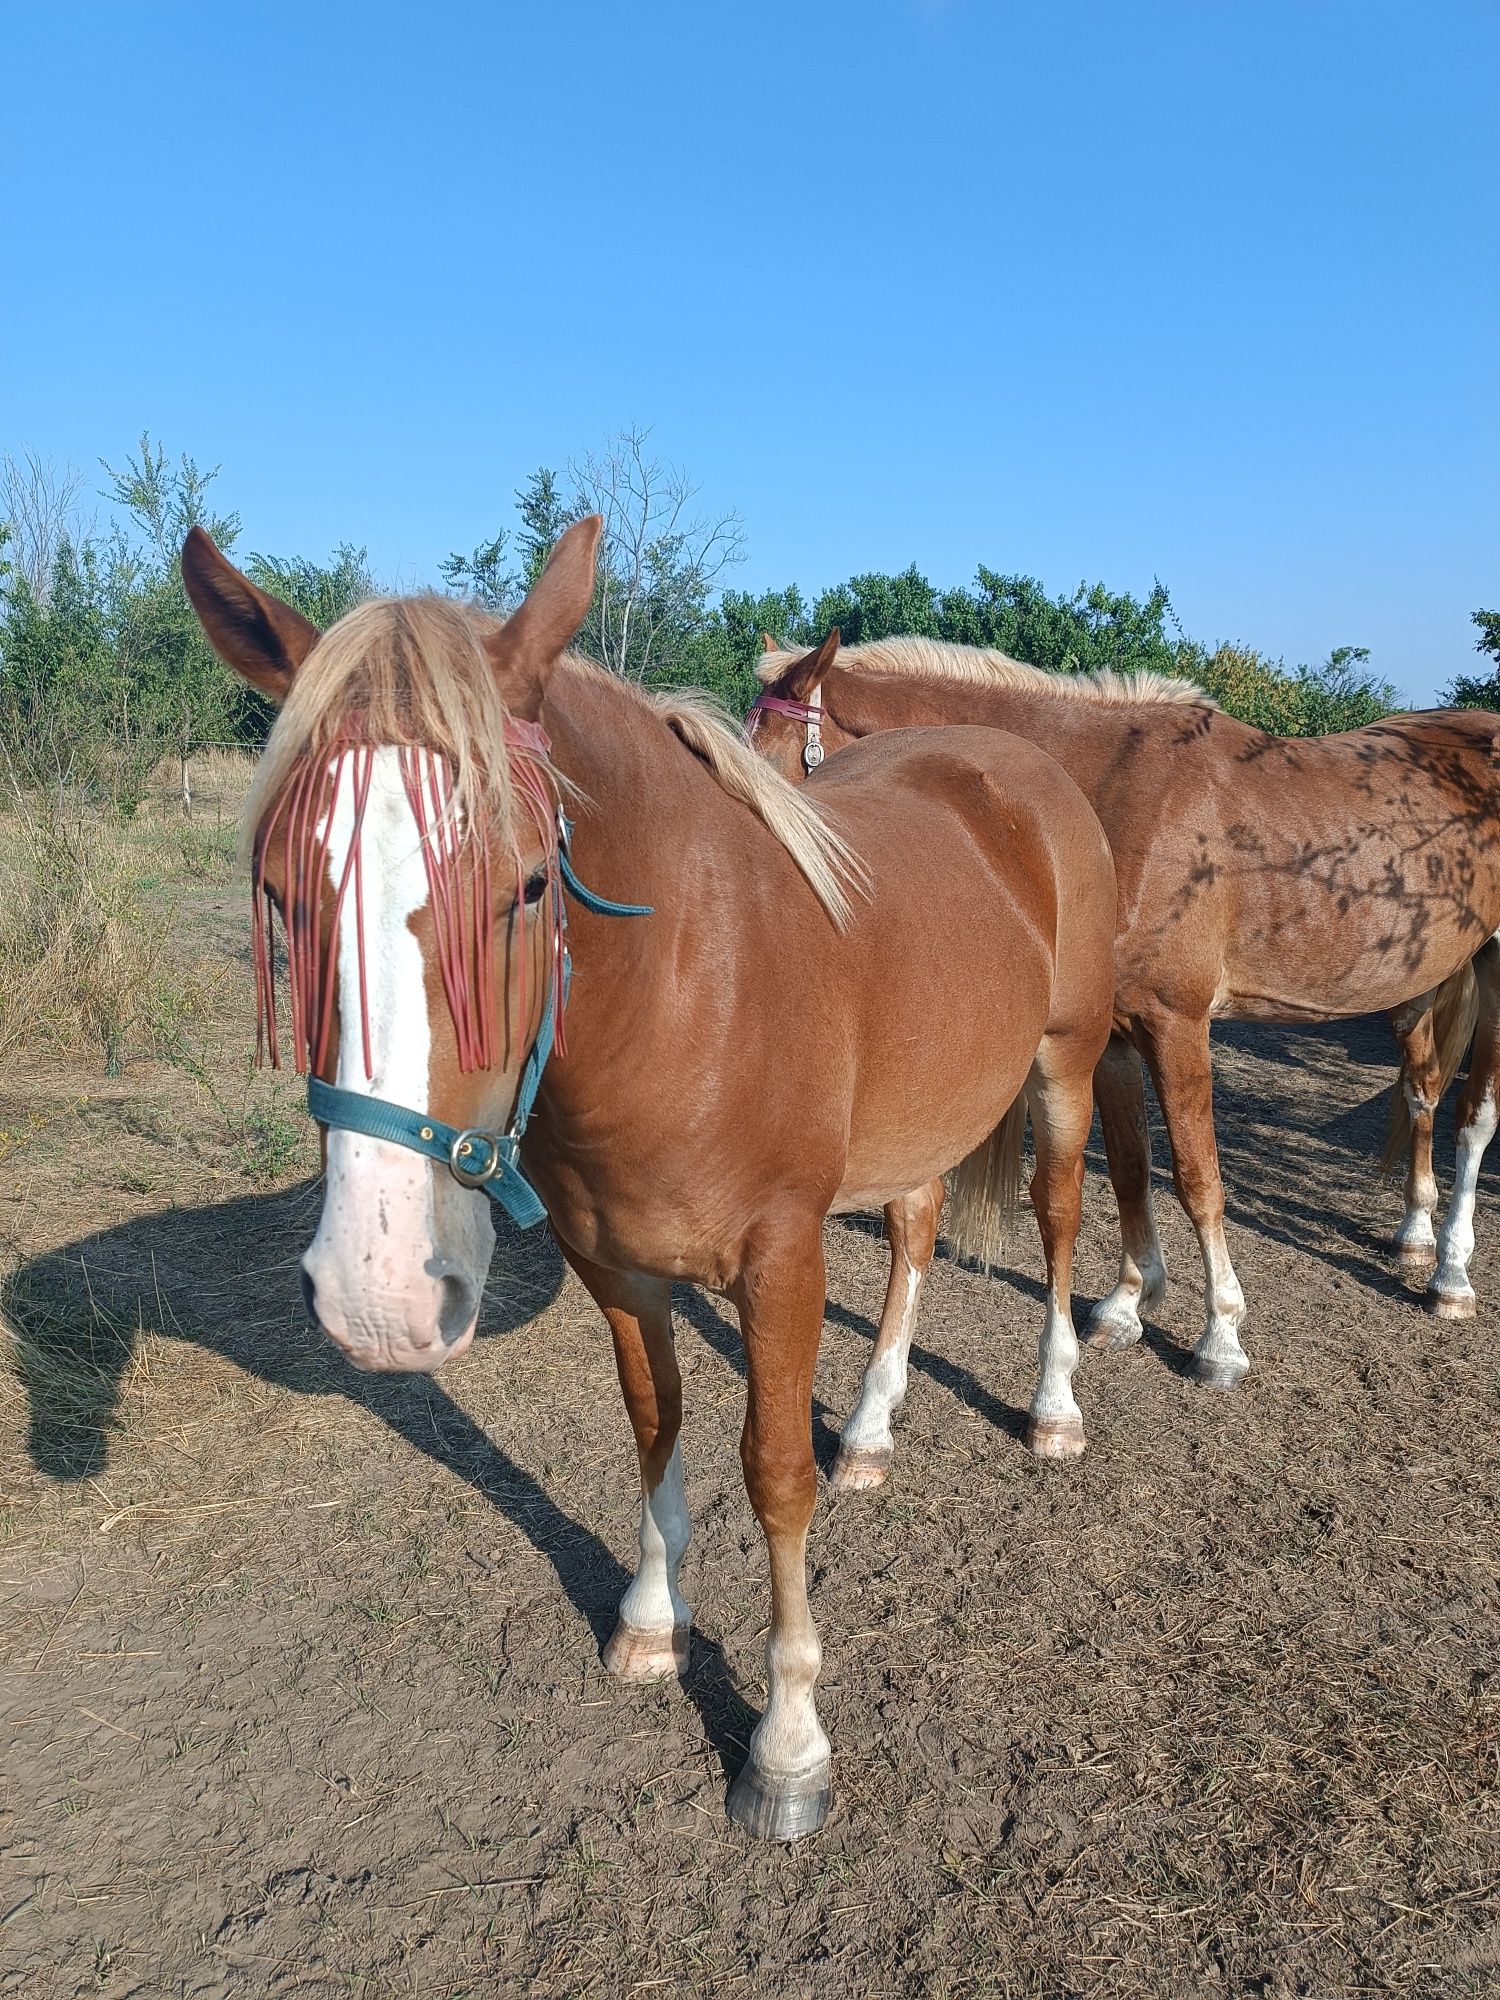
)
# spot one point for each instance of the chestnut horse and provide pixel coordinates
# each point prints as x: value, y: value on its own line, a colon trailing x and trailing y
x: 762, y: 1029
x: 1260, y: 878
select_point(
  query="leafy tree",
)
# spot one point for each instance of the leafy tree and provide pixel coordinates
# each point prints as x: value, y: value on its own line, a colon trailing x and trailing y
x: 481, y: 577
x: 544, y: 515
x: 176, y: 682
x: 722, y: 655
x: 60, y: 684
x: 322, y: 592
x: 1341, y: 695
x: 875, y: 606
x: 1479, y: 690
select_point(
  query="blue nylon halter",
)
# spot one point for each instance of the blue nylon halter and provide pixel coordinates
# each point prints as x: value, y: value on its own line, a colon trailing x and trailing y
x: 489, y: 1161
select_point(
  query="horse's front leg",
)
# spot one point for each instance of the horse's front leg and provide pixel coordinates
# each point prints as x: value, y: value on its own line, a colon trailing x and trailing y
x: 651, y: 1639
x: 785, y: 1789
x: 1120, y: 1093
x: 1178, y: 1054
x: 866, y: 1447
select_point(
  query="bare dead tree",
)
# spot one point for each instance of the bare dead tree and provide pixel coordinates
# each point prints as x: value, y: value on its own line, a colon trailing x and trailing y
x: 39, y: 505
x: 659, y: 559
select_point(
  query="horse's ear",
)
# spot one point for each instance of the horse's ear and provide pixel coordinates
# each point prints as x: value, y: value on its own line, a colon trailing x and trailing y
x: 798, y: 680
x: 256, y: 634
x: 768, y: 644
x: 532, y: 640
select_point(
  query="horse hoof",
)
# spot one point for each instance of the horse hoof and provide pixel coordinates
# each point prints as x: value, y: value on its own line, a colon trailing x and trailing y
x: 646, y: 1656
x: 1213, y: 1372
x: 1416, y: 1259
x: 1057, y: 1439
x: 858, y: 1471
x: 1112, y: 1332
x: 788, y: 1809
x: 1453, y: 1305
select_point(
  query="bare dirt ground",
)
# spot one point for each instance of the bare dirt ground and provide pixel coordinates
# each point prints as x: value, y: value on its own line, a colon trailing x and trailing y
x: 299, y: 1669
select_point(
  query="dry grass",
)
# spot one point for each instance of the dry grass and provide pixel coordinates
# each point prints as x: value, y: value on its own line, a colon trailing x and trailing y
x: 80, y: 946
x: 218, y: 781
x: 91, y: 902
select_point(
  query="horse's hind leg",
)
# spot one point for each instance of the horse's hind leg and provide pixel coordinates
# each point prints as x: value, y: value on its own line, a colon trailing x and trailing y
x: 1177, y: 1053
x: 1421, y: 1077
x: 651, y: 1639
x: 1120, y: 1093
x: 1062, y: 1109
x: 1450, y: 1293
x: 866, y: 1448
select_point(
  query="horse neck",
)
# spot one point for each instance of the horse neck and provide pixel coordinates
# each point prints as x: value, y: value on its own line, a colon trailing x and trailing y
x: 630, y: 772
x: 653, y: 826
x: 652, y: 820
x: 869, y: 701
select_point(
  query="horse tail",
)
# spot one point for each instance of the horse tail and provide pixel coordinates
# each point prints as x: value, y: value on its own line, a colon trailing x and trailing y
x: 985, y: 1189
x: 1455, y: 1014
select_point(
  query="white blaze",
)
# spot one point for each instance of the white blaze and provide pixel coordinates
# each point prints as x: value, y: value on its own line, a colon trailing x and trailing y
x: 371, y: 1260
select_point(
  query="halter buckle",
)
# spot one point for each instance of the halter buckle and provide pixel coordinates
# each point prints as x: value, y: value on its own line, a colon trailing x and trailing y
x: 460, y: 1157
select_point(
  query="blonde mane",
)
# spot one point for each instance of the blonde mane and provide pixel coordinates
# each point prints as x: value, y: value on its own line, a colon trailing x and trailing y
x: 936, y: 659
x: 830, y: 865
x: 415, y: 670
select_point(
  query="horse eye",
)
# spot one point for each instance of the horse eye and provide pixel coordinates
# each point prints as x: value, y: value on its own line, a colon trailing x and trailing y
x: 535, y: 884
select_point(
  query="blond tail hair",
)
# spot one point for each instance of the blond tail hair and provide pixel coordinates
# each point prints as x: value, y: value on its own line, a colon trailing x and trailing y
x: 985, y: 1190
x: 1455, y: 1014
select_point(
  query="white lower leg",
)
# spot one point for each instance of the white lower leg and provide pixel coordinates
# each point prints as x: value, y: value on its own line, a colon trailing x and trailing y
x: 867, y: 1434
x: 1055, y: 1429
x: 784, y: 1790
x: 651, y: 1637
x: 1451, y: 1292
x: 1220, y: 1360
x: 788, y: 1748
x: 1414, y: 1239
x: 1116, y: 1320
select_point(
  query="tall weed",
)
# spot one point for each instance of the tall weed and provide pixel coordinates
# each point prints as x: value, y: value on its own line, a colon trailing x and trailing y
x: 83, y: 937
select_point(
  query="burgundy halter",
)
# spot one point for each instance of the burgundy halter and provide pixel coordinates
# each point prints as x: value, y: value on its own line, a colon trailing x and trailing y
x: 808, y: 712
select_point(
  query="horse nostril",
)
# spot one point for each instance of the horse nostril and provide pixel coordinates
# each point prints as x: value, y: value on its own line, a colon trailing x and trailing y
x: 459, y: 1301
x: 310, y: 1299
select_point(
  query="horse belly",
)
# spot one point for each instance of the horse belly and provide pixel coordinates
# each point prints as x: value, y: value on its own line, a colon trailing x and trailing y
x: 926, y: 1097
x: 1330, y: 974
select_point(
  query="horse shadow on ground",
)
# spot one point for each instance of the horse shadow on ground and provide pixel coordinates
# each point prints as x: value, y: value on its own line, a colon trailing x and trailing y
x: 1289, y: 1177
x: 960, y: 1382
x: 225, y: 1278
x: 1294, y: 1173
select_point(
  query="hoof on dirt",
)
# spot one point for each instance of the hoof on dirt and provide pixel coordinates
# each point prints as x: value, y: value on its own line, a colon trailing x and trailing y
x: 1415, y: 1260
x: 1453, y: 1305
x: 857, y: 1471
x: 787, y: 1811
x: 1113, y: 1331
x: 1213, y: 1372
x: 1058, y: 1439
x: 646, y: 1656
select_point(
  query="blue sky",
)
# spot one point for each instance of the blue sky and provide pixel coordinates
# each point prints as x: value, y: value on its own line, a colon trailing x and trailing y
x: 1202, y: 289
